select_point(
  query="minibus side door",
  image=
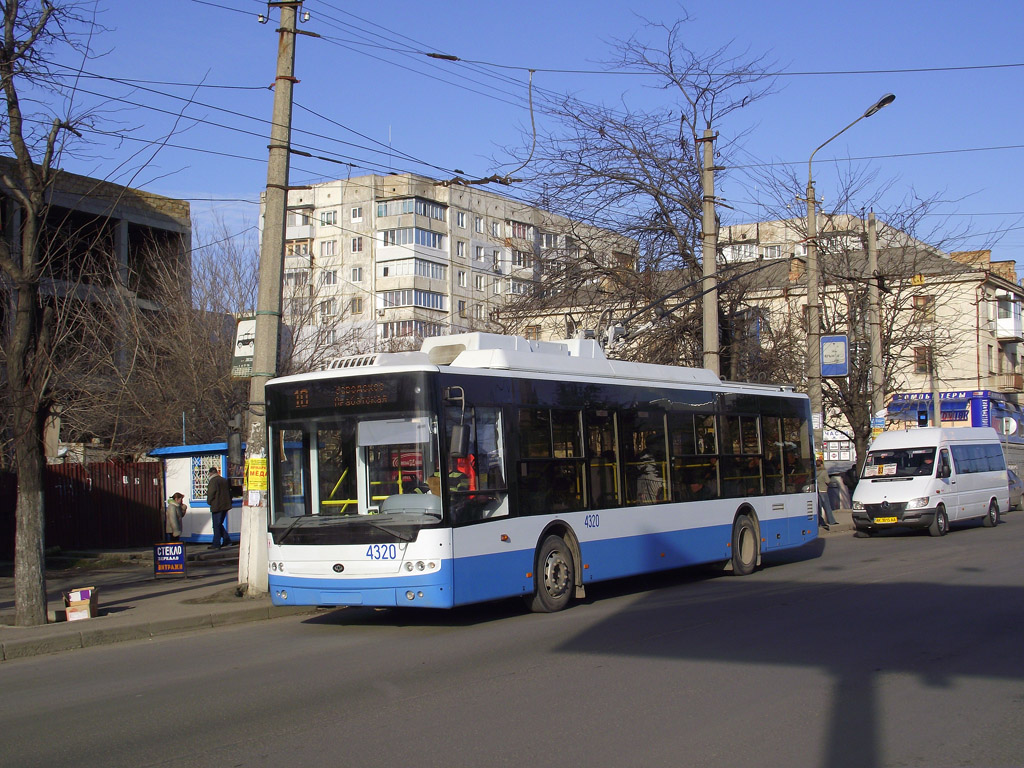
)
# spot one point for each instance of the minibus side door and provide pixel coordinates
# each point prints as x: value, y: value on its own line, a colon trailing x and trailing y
x: 945, y: 484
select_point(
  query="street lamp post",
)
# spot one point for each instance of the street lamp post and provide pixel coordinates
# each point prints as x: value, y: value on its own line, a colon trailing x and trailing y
x: 814, y: 285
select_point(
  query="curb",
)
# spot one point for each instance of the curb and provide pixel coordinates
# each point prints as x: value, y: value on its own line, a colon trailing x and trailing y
x: 89, y: 637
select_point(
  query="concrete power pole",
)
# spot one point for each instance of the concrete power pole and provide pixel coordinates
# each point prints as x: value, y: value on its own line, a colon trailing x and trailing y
x: 874, y: 322
x: 252, y: 555
x: 709, y: 250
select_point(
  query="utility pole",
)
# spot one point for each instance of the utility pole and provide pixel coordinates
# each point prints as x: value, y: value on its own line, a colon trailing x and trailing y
x: 874, y: 322
x: 709, y: 251
x: 252, y: 555
x: 814, y: 320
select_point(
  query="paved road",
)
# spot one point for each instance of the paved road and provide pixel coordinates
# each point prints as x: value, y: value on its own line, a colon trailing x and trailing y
x: 890, y: 651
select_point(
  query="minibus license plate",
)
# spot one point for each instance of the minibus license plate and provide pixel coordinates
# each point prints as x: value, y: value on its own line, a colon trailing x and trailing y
x: 885, y: 520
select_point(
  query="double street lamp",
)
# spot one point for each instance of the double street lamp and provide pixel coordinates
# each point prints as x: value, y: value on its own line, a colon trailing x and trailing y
x: 814, y: 285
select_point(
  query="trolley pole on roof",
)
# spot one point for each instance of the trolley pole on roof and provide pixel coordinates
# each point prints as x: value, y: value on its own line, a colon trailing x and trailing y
x: 252, y: 555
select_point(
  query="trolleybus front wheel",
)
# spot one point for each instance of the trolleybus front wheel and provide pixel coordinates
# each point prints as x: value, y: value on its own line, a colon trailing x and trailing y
x: 554, y: 576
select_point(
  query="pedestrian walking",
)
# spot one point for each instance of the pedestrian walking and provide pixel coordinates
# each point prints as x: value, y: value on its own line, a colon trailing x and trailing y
x: 825, y: 516
x: 175, y: 511
x: 218, y: 496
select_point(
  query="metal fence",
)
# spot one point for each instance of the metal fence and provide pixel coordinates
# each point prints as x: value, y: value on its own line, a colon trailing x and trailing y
x: 92, y: 506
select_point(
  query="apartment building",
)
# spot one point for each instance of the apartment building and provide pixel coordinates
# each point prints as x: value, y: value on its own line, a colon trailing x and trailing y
x: 401, y: 257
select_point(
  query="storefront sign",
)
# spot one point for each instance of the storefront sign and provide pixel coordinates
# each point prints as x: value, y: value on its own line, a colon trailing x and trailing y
x: 169, y: 559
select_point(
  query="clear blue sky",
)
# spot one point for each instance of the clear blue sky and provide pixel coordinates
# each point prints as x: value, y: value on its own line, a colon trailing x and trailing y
x: 955, y: 131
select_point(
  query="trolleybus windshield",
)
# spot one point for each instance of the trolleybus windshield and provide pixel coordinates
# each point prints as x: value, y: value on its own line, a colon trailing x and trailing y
x: 353, y: 470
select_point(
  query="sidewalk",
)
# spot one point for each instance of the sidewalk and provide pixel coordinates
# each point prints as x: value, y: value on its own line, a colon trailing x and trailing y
x: 133, y: 605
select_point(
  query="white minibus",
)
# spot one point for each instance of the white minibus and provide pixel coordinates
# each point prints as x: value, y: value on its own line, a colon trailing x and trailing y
x: 929, y: 477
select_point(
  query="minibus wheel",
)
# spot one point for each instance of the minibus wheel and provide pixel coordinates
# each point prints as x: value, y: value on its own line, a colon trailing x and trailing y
x: 554, y: 576
x: 992, y: 518
x: 940, y: 525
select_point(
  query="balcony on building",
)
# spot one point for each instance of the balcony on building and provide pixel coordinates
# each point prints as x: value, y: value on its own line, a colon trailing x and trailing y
x: 1009, y: 326
x: 1007, y: 382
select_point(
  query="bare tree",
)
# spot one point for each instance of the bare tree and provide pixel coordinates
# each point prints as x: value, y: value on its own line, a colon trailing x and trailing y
x: 30, y: 33
x: 635, y: 173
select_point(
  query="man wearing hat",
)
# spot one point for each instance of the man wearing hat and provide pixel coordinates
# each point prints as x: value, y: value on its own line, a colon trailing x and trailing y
x: 218, y: 496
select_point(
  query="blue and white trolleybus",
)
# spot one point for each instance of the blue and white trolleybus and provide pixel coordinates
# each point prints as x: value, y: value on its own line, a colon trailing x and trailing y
x: 485, y: 466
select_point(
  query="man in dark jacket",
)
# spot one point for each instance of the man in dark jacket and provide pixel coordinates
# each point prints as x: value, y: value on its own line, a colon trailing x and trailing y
x: 218, y: 496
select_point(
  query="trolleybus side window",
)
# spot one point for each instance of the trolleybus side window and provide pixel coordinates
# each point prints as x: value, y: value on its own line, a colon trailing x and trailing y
x: 551, y: 467
x: 644, y: 455
x: 741, y: 459
x: 796, y: 455
x: 694, y: 467
x: 602, y: 459
x: 771, y: 427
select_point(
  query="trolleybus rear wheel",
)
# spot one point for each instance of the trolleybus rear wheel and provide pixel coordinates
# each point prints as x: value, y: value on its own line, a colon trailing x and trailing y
x: 554, y: 577
x: 744, y: 546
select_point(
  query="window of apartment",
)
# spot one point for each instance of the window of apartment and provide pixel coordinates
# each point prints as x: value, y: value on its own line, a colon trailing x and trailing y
x: 773, y: 251
x: 496, y: 286
x: 548, y: 240
x: 330, y: 336
x: 522, y: 259
x: 478, y: 282
x: 495, y: 229
x: 357, y: 244
x: 462, y: 308
x: 478, y: 223
x: 357, y: 274
x: 478, y: 311
x: 329, y: 277
x: 460, y: 219
x: 460, y: 248
x: 295, y: 278
x: 479, y: 253
x: 297, y: 249
x: 461, y: 276
x: 328, y: 217
x: 298, y: 218
x: 327, y: 248
x: 328, y: 307
x: 989, y: 359
x: 357, y: 213
x: 922, y: 356
x: 418, y: 267
x: 357, y: 305
x: 409, y: 297
x: 412, y: 235
x: 518, y: 287
x: 297, y: 307
x: 520, y: 230
x: 410, y: 328
x: 412, y: 205
x: 924, y: 308
x: 532, y: 332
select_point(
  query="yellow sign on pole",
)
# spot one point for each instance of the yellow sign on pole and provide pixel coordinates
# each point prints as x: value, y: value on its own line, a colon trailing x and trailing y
x: 256, y: 474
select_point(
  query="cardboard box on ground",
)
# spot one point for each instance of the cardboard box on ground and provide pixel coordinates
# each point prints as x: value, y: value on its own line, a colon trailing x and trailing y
x: 81, y: 603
